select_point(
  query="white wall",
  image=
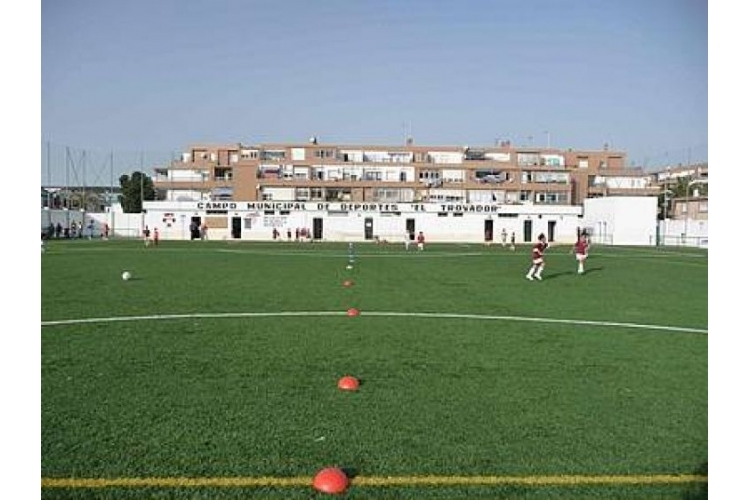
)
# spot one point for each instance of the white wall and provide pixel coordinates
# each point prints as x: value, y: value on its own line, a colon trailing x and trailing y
x: 121, y: 225
x: 622, y: 220
x: 257, y: 224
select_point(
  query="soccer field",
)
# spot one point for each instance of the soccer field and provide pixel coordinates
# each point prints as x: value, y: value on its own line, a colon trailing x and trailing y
x: 212, y: 372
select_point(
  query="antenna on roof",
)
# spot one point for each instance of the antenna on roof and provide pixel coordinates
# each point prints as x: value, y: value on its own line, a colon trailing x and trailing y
x: 313, y: 139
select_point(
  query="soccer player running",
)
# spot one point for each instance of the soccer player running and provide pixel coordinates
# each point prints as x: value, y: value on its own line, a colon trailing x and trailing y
x: 581, y: 249
x: 537, y: 259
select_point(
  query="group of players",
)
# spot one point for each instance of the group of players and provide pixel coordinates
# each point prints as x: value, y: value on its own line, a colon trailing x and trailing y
x: 581, y: 250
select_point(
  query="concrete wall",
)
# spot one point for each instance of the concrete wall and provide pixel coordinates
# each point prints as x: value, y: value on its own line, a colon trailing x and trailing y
x: 121, y: 225
x: 621, y: 220
x: 347, y: 221
x: 613, y: 220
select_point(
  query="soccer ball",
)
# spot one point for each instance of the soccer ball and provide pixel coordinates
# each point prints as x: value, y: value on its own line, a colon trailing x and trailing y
x: 126, y: 276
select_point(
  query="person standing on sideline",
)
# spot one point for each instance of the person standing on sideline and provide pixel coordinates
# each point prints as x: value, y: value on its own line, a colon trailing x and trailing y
x: 156, y: 236
x: 146, y: 236
x: 537, y: 259
x: 513, y: 241
x: 581, y: 249
x: 503, y: 237
x: 407, y: 240
x: 420, y: 241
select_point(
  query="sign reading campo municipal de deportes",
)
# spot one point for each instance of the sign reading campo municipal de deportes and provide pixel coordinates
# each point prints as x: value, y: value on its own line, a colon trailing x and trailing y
x: 293, y: 206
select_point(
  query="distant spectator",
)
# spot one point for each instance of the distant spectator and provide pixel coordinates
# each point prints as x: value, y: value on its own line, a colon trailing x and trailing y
x: 58, y: 230
x: 204, y: 231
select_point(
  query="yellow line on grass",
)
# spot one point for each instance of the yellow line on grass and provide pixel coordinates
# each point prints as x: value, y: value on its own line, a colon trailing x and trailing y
x: 373, y: 481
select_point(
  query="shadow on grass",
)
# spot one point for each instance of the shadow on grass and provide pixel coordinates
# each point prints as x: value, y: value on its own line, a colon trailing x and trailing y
x: 698, y: 491
x: 551, y: 276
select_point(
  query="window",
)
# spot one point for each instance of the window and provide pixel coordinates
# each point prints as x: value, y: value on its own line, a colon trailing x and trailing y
x: 274, y: 155
x: 550, y: 177
x: 373, y: 175
x: 490, y: 176
x: 551, y: 198
x: 529, y: 159
x: 338, y: 194
x: 323, y: 153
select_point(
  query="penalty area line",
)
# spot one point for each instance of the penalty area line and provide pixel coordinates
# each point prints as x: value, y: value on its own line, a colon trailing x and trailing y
x: 372, y: 481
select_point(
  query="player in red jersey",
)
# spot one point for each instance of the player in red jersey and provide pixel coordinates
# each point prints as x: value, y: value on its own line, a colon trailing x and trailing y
x: 420, y: 241
x: 581, y: 250
x: 537, y: 259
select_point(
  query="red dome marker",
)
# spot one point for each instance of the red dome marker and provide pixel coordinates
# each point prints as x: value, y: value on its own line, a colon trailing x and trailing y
x: 348, y: 383
x: 352, y: 312
x: 331, y: 480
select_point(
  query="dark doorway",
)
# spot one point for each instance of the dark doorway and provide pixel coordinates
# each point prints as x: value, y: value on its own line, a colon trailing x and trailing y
x: 368, y: 228
x: 527, y: 230
x: 236, y: 228
x: 488, y: 232
x: 551, y: 230
x: 318, y: 228
x: 410, y: 226
x: 195, y: 228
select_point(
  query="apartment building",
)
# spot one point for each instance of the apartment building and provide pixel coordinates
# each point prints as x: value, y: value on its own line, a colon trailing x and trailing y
x: 345, y: 192
x: 683, y: 191
x: 314, y: 171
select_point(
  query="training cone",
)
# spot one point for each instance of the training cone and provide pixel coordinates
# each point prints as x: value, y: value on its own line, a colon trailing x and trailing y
x: 348, y: 283
x: 352, y: 312
x: 348, y: 383
x: 331, y: 480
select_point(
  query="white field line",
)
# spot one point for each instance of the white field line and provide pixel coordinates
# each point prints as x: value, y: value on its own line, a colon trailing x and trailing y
x: 405, y: 254
x: 159, y: 317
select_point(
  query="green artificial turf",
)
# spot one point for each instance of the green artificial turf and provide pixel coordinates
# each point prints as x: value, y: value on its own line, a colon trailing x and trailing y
x: 466, y: 367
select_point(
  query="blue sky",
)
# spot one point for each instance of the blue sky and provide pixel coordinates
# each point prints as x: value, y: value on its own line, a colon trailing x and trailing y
x: 145, y: 79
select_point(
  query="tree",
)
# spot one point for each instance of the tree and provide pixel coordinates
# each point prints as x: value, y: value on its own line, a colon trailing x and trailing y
x: 135, y: 189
